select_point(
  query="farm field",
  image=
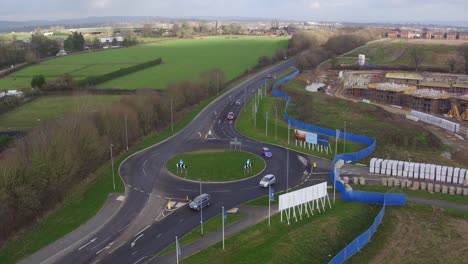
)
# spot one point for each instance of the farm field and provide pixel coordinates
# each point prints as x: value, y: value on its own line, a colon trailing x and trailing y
x: 182, y: 60
x: 48, y: 107
x: 397, y: 52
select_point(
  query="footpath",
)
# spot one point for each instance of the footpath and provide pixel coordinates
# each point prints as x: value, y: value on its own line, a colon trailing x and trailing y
x: 256, y: 214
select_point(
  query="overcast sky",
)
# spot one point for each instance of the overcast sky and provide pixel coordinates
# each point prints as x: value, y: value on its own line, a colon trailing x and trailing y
x: 308, y: 10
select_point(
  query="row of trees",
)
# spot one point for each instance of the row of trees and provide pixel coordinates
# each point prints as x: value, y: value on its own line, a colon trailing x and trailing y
x: 51, y: 159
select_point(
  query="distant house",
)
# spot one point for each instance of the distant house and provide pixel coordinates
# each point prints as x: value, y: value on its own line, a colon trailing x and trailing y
x: 463, y: 36
x: 109, y: 40
x: 408, y: 35
x: 438, y: 35
x: 452, y: 36
x: 427, y: 35
x: 393, y: 34
x: 15, y: 93
x: 47, y: 34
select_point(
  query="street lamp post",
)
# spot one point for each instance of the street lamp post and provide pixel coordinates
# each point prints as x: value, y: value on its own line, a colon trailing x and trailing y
x: 276, y: 121
x: 201, y: 211
x: 112, y: 162
x: 172, y: 124
x: 126, y: 131
x: 287, y: 170
x: 344, y: 138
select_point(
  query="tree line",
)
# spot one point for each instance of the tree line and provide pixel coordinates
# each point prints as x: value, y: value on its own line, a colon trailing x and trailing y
x: 59, y: 154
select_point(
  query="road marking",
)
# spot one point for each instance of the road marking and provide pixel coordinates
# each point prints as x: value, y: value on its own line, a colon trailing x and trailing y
x: 120, y: 198
x: 105, y: 248
x: 116, y: 248
x: 141, y: 231
x: 219, y: 121
x: 123, y: 227
x: 140, y: 259
x: 186, y: 190
x: 144, y: 163
x: 181, y: 220
x: 158, y: 235
x: 144, y: 171
x: 129, y: 186
x: 248, y: 188
x: 141, y: 191
x: 100, y: 243
x: 134, y: 252
x: 134, y: 241
x: 222, y: 191
x: 91, y: 241
x: 180, y: 204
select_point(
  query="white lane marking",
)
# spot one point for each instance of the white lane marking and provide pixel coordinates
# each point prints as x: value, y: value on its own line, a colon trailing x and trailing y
x: 144, y: 171
x: 158, y: 235
x: 116, y: 248
x: 140, y: 259
x: 123, y: 227
x: 129, y: 186
x: 100, y: 243
x: 219, y: 121
x: 91, y: 241
x: 134, y: 252
x: 222, y: 191
x: 144, y: 163
x: 155, y: 154
x: 141, y: 191
x: 180, y: 221
x: 186, y: 190
x: 105, y: 248
x: 141, y: 231
x: 248, y: 188
x: 134, y: 241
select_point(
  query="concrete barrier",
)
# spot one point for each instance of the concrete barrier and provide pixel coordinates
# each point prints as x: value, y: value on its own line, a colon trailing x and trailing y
x: 459, y: 191
x: 384, y: 181
x: 444, y: 189
x: 430, y: 187
x: 437, y: 188
x: 423, y: 186
x: 415, y: 186
x: 452, y: 190
x: 362, y: 181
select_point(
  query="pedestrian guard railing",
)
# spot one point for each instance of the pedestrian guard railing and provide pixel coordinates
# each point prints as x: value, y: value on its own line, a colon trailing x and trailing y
x: 347, y: 195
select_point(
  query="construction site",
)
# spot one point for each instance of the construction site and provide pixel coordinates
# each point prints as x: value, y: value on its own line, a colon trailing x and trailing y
x: 437, y: 94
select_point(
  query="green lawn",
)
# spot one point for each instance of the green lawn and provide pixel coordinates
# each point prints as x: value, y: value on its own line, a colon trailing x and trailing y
x: 216, y: 165
x: 397, y: 52
x: 210, y: 226
x: 47, y: 107
x: 311, y: 240
x: 419, y: 193
x: 182, y: 60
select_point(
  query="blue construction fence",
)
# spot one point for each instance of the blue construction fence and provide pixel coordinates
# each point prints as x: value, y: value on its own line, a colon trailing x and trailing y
x: 360, y: 241
x: 355, y: 196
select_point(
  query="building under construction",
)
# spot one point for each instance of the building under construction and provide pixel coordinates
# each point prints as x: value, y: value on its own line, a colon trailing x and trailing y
x: 427, y: 92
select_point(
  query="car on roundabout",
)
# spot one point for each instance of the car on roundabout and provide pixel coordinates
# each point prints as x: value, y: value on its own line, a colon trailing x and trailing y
x: 230, y: 116
x: 201, y: 201
x: 267, y: 181
x: 266, y: 152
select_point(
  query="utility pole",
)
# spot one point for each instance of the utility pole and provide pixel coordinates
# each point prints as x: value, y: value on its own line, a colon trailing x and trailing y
x: 172, y: 124
x: 217, y: 81
x: 344, y: 138
x: 201, y: 211
x: 266, y: 124
x: 112, y: 162
x: 276, y: 120
x: 337, y: 134
x: 287, y: 170
x: 126, y: 131
x: 289, y: 128
x: 245, y: 97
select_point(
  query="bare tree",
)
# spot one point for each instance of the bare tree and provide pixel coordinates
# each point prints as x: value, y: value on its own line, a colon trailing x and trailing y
x: 418, y: 56
x: 146, y: 31
x: 463, y: 51
x: 452, y: 63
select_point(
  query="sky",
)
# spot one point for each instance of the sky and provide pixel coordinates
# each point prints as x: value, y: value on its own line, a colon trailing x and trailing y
x: 301, y: 10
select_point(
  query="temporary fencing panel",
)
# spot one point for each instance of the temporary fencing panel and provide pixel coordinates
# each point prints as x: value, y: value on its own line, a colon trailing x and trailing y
x: 360, y: 241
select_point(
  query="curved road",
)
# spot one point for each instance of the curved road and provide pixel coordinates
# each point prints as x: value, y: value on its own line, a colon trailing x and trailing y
x: 143, y: 227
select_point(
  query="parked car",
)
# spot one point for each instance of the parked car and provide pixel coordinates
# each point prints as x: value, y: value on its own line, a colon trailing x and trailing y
x: 269, y: 76
x: 267, y: 180
x: 238, y: 102
x: 230, y: 116
x: 201, y: 201
x: 266, y: 152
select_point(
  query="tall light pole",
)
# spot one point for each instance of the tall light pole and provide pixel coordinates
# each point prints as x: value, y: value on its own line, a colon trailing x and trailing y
x: 126, y: 131
x: 201, y: 211
x: 276, y: 121
x: 344, y: 138
x: 172, y: 124
x: 112, y: 162
x: 287, y: 170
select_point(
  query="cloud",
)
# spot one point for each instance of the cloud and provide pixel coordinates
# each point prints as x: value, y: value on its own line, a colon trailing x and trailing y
x: 314, y: 5
x: 101, y: 4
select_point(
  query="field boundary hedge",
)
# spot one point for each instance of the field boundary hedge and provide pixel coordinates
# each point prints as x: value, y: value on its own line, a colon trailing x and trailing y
x: 95, y: 80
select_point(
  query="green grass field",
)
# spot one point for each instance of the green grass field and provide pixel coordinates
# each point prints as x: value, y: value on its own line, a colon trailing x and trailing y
x: 182, y: 60
x: 47, y: 107
x: 311, y: 240
x: 423, y: 194
x: 397, y: 52
x: 216, y: 165
x: 210, y: 226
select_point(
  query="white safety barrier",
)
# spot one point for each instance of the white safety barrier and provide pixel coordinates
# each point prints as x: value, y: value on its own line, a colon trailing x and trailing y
x: 407, y: 169
x: 436, y: 121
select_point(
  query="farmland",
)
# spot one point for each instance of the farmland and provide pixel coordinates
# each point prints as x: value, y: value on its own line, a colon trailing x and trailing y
x: 182, y: 60
x: 48, y: 107
x: 397, y: 52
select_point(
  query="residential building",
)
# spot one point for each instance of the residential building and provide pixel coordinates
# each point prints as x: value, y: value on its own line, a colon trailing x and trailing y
x: 452, y: 36
x: 463, y: 36
x: 438, y: 35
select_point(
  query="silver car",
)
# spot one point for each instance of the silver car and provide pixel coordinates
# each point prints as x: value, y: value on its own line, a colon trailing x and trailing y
x: 267, y: 181
x: 202, y: 200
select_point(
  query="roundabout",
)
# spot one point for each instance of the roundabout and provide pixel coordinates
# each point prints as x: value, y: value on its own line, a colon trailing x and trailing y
x: 215, y: 165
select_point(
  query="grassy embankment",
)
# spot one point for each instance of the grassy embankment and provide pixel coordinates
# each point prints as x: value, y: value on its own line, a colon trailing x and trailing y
x: 216, y: 165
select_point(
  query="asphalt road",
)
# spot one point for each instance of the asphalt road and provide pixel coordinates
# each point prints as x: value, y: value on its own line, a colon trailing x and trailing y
x: 149, y: 183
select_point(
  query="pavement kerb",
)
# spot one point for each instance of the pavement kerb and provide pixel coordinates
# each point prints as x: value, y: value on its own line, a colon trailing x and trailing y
x: 206, y: 182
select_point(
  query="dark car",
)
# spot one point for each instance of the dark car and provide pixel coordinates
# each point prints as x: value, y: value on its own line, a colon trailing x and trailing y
x: 202, y: 200
x: 230, y: 116
x: 266, y: 152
